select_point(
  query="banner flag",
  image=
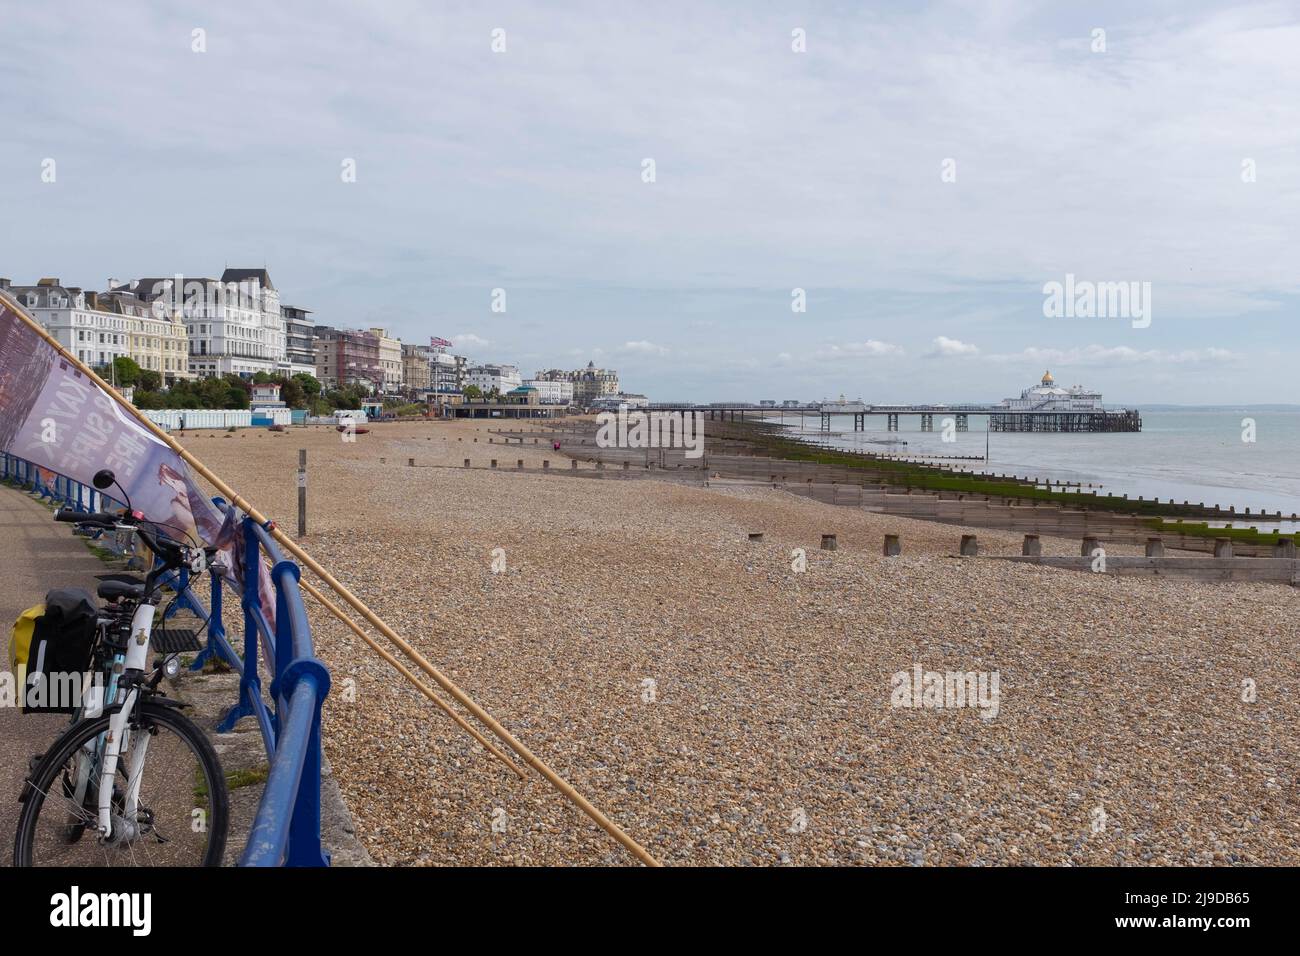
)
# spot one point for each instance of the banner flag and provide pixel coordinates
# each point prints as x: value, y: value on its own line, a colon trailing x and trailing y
x: 59, y: 418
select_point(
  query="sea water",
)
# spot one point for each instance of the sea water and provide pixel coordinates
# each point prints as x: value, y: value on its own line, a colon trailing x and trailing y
x: 1196, y: 455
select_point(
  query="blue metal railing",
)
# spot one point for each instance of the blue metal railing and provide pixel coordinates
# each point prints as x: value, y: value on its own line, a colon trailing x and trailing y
x: 286, y: 829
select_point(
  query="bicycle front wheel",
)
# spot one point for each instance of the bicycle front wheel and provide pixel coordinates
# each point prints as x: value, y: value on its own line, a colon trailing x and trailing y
x: 169, y: 804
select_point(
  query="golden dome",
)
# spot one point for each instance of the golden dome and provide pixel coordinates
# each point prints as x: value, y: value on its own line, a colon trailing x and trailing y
x: 1047, y: 378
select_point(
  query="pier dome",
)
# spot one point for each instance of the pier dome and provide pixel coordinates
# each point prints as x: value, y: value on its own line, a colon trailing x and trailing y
x: 1047, y: 378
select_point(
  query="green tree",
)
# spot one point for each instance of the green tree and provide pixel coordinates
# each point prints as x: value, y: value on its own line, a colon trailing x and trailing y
x: 122, y: 372
x: 310, y: 384
x: 473, y: 391
x: 149, y: 381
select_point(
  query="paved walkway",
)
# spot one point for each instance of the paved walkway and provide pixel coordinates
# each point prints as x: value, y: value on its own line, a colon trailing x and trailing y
x: 35, y: 555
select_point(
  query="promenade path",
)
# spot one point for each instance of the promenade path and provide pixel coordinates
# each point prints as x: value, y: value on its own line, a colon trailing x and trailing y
x: 35, y: 556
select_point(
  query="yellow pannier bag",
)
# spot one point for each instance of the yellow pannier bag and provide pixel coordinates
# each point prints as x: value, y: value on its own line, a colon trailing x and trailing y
x: 20, y: 643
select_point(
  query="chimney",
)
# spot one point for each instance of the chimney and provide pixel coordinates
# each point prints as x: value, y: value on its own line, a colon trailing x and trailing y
x: 5, y: 284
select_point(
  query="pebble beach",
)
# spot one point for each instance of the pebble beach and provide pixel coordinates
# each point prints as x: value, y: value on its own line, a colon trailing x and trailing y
x: 728, y: 704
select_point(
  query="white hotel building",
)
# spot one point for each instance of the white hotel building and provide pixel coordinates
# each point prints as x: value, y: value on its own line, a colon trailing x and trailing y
x: 99, y: 327
x: 551, y: 393
x: 94, y: 337
x: 503, y: 378
x: 234, y: 323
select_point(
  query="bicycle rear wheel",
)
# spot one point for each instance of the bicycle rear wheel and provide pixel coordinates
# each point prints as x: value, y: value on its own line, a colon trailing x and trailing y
x: 182, y: 813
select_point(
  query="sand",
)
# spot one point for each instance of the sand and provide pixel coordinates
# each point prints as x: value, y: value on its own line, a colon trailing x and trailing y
x: 728, y: 710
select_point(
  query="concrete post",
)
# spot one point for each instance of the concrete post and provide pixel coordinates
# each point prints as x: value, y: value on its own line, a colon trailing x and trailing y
x: 494, y: 462
x: 969, y: 545
x: 1285, y: 548
x: 1223, y: 547
x: 626, y: 465
x: 520, y: 464
x: 893, y: 547
x: 1090, y: 544
x: 756, y: 536
x: 466, y: 462
x: 546, y: 464
x: 829, y: 543
x: 1032, y: 546
x: 410, y: 463
x: 1155, y: 548
x: 573, y: 465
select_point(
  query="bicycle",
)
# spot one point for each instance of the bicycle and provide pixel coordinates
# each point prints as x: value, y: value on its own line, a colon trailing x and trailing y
x: 87, y: 800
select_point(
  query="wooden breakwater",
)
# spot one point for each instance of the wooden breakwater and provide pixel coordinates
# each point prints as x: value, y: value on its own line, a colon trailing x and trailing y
x: 1262, y: 569
x: 733, y: 458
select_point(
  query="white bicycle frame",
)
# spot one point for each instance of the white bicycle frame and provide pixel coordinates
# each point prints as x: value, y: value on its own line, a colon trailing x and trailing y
x: 137, y: 657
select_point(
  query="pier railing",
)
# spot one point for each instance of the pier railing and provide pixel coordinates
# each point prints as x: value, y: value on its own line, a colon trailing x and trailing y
x: 286, y: 828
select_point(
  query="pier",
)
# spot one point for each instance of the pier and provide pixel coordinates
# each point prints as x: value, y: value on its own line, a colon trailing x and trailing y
x: 1000, y: 418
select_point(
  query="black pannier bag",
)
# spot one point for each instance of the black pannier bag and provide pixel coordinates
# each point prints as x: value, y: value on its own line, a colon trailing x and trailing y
x: 59, y: 658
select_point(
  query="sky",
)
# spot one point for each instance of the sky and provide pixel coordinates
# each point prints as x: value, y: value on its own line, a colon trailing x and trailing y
x: 919, y: 171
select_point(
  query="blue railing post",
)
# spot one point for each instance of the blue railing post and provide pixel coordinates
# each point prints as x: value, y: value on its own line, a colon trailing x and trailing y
x: 304, y: 829
x: 250, y: 684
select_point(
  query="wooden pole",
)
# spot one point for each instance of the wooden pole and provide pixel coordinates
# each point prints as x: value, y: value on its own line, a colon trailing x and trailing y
x: 238, y: 501
x: 302, y: 492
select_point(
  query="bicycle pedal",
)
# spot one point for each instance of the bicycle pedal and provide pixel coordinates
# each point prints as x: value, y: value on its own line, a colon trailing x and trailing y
x: 175, y: 640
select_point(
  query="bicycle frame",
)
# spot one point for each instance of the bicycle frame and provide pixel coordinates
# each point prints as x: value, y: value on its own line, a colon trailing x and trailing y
x: 137, y: 657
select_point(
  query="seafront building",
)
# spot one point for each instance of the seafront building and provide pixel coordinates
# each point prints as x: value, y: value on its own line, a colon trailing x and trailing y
x: 100, y: 327
x: 347, y: 357
x: 589, y: 383
x: 551, y: 393
x: 489, y: 378
x: 417, y: 370
x: 234, y: 323
x: 390, y: 361
x: 299, y: 342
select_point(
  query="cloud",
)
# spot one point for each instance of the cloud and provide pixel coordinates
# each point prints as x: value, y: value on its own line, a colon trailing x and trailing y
x: 946, y: 346
x: 644, y: 348
x: 871, y: 348
x: 468, y: 340
x: 1099, y: 355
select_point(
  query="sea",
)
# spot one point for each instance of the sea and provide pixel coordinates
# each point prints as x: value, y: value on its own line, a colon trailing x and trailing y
x: 1202, y: 454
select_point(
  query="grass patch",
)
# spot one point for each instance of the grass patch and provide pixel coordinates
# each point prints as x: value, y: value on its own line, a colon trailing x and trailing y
x: 251, y: 777
x: 1200, y: 529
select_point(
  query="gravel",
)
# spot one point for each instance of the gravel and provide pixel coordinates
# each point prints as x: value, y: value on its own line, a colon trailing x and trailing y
x: 727, y: 710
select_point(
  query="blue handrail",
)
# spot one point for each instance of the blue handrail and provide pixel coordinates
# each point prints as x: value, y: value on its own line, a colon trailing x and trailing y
x: 286, y: 829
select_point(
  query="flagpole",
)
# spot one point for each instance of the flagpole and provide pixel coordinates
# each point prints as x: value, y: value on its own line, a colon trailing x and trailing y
x: 558, y: 782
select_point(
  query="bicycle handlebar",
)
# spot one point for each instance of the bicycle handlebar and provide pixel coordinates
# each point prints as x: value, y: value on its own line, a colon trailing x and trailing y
x: 104, y: 519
